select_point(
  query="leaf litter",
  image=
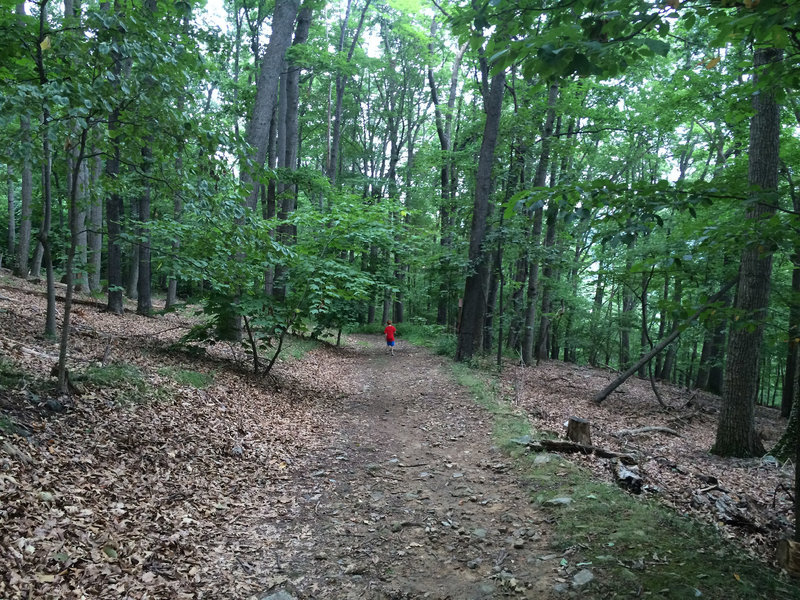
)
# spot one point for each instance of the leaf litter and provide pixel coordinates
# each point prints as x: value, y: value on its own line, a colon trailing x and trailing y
x: 346, y: 475
x: 750, y: 501
x: 350, y: 474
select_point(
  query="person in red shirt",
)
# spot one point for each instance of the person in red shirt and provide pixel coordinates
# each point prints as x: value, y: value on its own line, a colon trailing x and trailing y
x: 389, y: 333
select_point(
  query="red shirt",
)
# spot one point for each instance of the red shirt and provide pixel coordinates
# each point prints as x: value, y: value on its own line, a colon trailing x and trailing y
x: 389, y: 331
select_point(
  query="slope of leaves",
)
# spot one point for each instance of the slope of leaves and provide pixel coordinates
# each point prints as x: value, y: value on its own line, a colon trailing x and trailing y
x: 749, y: 500
x: 167, y: 493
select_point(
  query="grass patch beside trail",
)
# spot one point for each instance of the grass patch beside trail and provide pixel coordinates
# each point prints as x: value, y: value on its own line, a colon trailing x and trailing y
x: 297, y: 347
x: 187, y: 377
x: 635, y: 547
x: 11, y: 376
x: 124, y: 381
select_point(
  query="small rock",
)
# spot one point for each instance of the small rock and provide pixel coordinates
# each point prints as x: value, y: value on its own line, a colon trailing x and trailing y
x: 562, y: 501
x: 54, y: 405
x: 280, y: 595
x: 582, y: 577
x: 541, y: 459
x: 561, y: 588
x: 479, y: 533
x: 474, y: 563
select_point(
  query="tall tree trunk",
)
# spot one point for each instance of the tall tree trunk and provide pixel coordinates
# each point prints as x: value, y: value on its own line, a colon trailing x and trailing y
x: 793, y: 347
x: 47, y: 169
x: 539, y: 180
x: 177, y: 202
x: 341, y: 81
x: 144, y: 303
x: 114, y: 208
x: 474, y: 310
x: 270, y: 66
x: 11, y: 239
x: 26, y: 191
x: 548, y: 271
x: 644, y: 339
x: 132, y: 289
x: 597, y: 307
x: 444, y: 125
x: 626, y: 321
x: 95, y: 237
x: 736, y: 435
x: 672, y: 353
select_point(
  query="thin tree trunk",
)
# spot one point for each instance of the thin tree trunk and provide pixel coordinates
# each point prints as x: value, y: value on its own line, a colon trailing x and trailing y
x: 11, y: 239
x: 95, y: 237
x: 539, y: 180
x: 144, y: 304
x: 662, y: 344
x: 544, y: 334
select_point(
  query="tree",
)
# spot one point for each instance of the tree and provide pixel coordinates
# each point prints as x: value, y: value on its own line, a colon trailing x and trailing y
x: 736, y: 434
x: 474, y: 310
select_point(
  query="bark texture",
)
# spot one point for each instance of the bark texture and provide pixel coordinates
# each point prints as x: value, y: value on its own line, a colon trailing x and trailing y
x: 474, y: 311
x: 736, y: 435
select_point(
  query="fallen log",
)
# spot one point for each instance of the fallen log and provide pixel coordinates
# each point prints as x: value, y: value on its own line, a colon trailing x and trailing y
x: 649, y: 429
x: 573, y: 447
x: 602, y: 395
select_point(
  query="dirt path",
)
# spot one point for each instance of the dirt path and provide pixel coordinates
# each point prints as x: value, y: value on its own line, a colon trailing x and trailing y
x: 412, y: 500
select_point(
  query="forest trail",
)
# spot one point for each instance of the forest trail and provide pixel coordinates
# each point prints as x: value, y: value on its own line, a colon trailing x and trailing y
x: 412, y: 500
x: 180, y: 475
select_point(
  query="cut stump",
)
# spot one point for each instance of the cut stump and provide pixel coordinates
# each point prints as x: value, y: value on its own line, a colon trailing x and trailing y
x: 789, y: 556
x: 579, y: 431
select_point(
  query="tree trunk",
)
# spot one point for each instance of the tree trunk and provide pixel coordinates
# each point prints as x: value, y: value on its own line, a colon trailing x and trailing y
x: 333, y: 159
x: 544, y: 335
x: 792, y: 353
x: 539, y: 180
x: 662, y: 344
x: 114, y: 208
x: 258, y: 126
x: 95, y: 237
x: 736, y: 435
x: 144, y: 304
x: 597, y: 307
x: 474, y: 310
x: 626, y: 320
x: 11, y: 240
x: 443, y: 130
x: 672, y: 352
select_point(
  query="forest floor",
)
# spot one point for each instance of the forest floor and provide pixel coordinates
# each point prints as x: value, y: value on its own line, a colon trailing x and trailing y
x: 347, y: 473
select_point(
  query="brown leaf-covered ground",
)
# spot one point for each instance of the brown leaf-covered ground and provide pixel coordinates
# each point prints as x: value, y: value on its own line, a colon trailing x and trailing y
x: 749, y: 499
x: 349, y: 474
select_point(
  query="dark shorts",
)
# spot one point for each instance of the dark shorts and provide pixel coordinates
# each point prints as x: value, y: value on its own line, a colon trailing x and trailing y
x: 390, y: 342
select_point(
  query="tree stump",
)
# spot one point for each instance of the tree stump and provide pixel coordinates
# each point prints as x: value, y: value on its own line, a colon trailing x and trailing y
x: 579, y: 430
x: 789, y: 556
